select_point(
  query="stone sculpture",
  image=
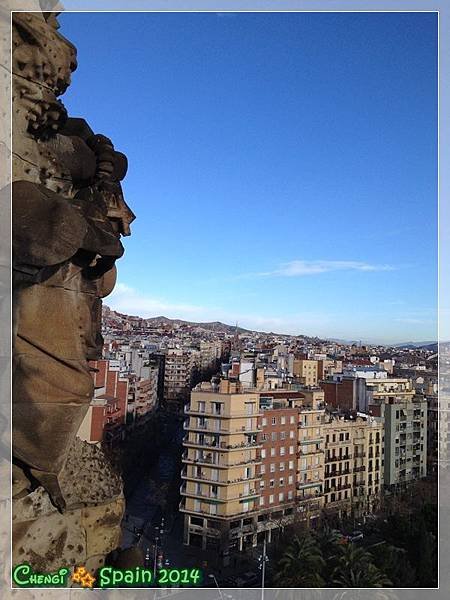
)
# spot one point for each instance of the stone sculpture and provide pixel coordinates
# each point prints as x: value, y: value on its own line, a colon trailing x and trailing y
x: 68, y: 216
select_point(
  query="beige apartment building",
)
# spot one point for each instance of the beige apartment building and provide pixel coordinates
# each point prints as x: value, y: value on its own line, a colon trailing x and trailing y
x: 306, y: 371
x: 219, y: 463
x: 254, y: 460
x: 353, y: 465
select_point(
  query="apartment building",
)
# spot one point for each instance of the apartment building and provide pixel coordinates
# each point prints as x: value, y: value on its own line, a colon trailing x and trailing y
x: 353, y: 465
x: 106, y: 417
x: 219, y: 474
x: 405, y: 440
x: 179, y: 365
x: 252, y: 460
x: 432, y: 432
x: 306, y: 371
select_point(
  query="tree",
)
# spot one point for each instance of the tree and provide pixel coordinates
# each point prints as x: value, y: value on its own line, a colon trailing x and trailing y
x: 301, y: 564
x: 329, y: 542
x: 394, y: 563
x: 355, y: 569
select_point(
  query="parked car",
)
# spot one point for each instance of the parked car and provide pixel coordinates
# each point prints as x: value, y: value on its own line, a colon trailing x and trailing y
x: 356, y: 536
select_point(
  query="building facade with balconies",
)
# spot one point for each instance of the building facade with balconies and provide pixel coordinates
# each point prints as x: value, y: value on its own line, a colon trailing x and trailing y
x: 219, y: 477
x: 405, y: 453
x: 353, y: 465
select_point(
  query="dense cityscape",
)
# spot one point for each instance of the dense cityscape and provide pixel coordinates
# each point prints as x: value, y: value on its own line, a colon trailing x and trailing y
x: 228, y: 439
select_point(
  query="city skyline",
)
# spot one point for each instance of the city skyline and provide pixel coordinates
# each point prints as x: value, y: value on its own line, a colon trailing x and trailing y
x: 284, y: 171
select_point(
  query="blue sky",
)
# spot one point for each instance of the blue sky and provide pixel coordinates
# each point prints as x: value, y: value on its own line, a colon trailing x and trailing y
x: 282, y: 167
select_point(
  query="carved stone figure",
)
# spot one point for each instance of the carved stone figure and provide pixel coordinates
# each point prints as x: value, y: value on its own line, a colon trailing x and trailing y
x: 68, y: 216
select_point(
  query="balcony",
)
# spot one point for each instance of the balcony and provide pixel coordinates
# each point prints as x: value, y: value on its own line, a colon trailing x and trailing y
x: 223, y: 430
x: 359, y: 469
x: 338, y: 473
x: 301, y: 485
x: 245, y: 513
x: 220, y: 415
x: 337, y: 488
x: 338, y: 458
x: 308, y: 497
x: 208, y: 461
x: 199, y: 494
x: 311, y: 440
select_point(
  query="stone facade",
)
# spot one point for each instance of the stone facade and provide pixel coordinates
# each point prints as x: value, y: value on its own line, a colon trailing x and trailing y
x: 68, y: 217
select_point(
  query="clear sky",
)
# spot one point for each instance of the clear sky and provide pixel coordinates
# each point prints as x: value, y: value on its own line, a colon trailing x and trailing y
x: 282, y: 167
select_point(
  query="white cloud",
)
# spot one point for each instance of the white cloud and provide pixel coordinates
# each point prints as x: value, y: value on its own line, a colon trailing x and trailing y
x: 300, y: 268
x: 130, y: 301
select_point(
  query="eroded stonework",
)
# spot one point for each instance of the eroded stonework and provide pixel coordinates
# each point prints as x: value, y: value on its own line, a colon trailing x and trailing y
x: 68, y: 217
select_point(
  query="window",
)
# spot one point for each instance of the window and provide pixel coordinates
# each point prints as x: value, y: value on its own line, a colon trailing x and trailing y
x: 264, y: 422
x: 283, y: 420
x: 290, y: 479
x: 282, y: 451
x: 274, y: 436
x: 272, y: 468
x: 291, y: 465
x: 290, y: 495
x: 271, y: 497
x: 264, y: 437
x: 281, y: 481
x: 291, y: 449
x: 291, y: 434
x: 262, y: 469
x: 282, y: 435
x: 272, y: 483
x: 262, y: 484
x: 272, y: 452
x: 281, y: 497
x: 263, y: 453
x: 282, y: 466
x: 274, y: 420
x: 292, y: 419
x: 261, y: 501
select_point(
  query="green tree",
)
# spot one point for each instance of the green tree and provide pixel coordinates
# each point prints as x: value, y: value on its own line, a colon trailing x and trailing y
x: 355, y: 569
x: 301, y: 564
x: 394, y: 563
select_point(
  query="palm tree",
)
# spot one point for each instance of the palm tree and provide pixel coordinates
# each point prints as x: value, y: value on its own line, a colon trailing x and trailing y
x: 328, y: 540
x: 301, y: 564
x: 355, y: 569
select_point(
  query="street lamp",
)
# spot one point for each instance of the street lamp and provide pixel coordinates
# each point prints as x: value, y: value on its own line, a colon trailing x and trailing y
x: 212, y: 576
x: 158, y: 537
x: 263, y: 559
x: 155, y: 557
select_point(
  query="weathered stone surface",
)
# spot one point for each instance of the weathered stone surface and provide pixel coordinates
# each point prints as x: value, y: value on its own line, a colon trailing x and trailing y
x: 68, y: 218
x: 51, y: 542
x: 87, y: 477
x: 102, y: 526
x: 32, y: 506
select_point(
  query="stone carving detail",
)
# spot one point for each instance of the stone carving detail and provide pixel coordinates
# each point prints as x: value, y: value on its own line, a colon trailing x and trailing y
x: 68, y: 217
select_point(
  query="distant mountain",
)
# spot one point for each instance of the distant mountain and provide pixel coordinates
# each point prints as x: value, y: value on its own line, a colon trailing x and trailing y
x: 211, y: 326
x: 433, y: 346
